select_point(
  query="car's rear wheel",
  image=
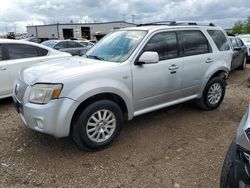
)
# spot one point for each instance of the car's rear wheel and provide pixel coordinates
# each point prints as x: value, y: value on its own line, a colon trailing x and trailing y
x: 98, y: 125
x: 213, y: 94
x: 243, y: 64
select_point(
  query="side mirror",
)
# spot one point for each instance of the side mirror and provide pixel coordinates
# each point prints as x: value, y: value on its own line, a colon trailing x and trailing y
x: 148, y: 58
x: 237, y: 49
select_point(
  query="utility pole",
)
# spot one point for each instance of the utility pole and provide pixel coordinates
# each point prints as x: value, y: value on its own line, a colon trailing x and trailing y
x: 14, y: 26
x: 133, y: 18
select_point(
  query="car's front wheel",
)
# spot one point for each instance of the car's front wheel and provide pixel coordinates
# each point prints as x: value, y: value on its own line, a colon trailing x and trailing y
x: 98, y: 125
x: 213, y: 94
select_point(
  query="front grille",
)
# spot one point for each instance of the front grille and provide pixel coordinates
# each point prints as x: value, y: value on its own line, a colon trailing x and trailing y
x: 19, y: 90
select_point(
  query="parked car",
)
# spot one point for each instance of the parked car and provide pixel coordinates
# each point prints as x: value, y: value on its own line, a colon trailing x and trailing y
x: 239, y: 57
x: 32, y: 39
x: 246, y: 40
x: 236, y: 168
x: 15, y: 55
x: 74, y: 47
x: 130, y: 72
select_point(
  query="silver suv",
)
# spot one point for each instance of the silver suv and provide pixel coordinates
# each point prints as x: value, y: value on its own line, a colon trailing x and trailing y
x: 130, y: 72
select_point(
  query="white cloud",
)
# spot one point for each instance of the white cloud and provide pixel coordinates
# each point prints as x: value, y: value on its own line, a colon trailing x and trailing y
x: 21, y: 13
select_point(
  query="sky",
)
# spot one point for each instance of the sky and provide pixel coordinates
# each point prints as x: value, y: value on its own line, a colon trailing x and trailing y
x: 15, y: 15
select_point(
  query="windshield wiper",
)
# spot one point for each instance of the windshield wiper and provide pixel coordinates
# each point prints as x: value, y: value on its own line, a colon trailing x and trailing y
x: 94, y: 57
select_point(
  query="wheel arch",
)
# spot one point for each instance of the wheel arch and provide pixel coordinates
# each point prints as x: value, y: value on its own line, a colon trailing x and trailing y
x: 100, y: 96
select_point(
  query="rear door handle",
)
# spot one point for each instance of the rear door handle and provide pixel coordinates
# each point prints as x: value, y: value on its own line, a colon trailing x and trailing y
x: 173, y: 67
x: 2, y: 68
x: 209, y: 60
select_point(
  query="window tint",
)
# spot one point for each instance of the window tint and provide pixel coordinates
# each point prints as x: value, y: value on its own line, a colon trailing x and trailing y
x: 234, y: 43
x: 1, y: 53
x: 61, y: 45
x: 219, y: 39
x: 42, y: 51
x: 72, y: 44
x: 165, y: 44
x: 194, y: 43
x: 17, y: 51
x: 240, y: 42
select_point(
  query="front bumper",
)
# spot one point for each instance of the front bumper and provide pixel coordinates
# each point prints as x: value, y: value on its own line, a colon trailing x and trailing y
x: 53, y: 118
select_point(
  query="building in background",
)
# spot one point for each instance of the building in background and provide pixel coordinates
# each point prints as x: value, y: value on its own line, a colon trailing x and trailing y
x: 89, y: 31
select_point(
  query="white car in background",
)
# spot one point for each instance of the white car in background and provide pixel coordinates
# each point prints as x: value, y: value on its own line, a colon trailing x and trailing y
x: 15, y: 55
x: 246, y: 40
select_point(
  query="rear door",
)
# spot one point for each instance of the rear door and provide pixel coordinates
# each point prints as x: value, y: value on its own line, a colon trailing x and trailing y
x: 197, y: 58
x: 5, y: 84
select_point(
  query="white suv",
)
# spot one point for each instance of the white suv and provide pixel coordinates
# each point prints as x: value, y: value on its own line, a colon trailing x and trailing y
x: 130, y: 72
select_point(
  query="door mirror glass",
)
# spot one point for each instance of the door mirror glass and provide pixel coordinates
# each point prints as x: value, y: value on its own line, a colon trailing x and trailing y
x: 237, y: 49
x: 148, y: 57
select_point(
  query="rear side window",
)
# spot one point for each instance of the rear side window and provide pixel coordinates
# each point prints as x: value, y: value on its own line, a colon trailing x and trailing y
x: 42, y: 51
x: 165, y: 44
x: 18, y: 51
x: 72, y: 44
x: 219, y: 39
x: 194, y: 43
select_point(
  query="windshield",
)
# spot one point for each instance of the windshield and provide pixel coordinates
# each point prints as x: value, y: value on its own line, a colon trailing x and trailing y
x: 117, y: 46
x: 49, y: 43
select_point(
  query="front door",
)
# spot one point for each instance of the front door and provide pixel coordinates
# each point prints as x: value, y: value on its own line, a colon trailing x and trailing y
x: 155, y: 84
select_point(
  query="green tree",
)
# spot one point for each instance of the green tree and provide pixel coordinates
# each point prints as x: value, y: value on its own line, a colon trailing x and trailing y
x: 246, y: 27
x: 238, y: 27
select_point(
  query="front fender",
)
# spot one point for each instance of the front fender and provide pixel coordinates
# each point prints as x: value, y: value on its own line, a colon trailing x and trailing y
x: 99, y: 86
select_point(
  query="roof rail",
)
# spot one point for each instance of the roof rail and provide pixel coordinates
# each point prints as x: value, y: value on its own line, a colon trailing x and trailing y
x: 174, y: 23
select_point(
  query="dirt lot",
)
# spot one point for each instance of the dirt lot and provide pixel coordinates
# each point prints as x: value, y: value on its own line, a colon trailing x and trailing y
x: 175, y: 147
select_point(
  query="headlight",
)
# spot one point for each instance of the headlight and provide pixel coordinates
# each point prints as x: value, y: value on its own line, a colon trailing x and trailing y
x: 43, y: 93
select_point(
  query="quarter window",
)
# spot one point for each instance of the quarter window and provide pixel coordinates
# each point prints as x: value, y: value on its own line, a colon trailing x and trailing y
x: 219, y: 39
x: 165, y: 44
x: 42, y: 51
x: 194, y: 43
x: 18, y: 51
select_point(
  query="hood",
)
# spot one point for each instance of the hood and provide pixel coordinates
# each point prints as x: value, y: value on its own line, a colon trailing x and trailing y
x: 57, y: 70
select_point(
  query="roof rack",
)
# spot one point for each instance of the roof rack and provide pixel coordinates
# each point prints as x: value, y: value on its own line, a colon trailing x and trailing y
x: 173, y: 23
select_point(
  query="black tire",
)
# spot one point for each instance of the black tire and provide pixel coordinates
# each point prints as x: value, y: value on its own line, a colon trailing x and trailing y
x: 227, y: 168
x: 243, y: 63
x: 203, y: 102
x: 79, y: 132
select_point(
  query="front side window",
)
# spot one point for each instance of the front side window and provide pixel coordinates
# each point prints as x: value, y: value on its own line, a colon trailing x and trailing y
x: 240, y: 42
x: 165, y: 44
x: 194, y: 43
x: 219, y: 39
x: 117, y: 46
x: 61, y: 45
x: 234, y: 43
x: 18, y: 51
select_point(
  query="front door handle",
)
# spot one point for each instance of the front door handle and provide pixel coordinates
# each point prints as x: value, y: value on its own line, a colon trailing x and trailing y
x: 209, y: 60
x: 2, y: 68
x: 173, y: 67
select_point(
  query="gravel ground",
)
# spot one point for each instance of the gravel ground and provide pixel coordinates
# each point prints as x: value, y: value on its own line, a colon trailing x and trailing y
x: 179, y: 146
